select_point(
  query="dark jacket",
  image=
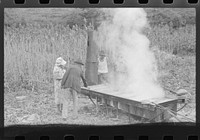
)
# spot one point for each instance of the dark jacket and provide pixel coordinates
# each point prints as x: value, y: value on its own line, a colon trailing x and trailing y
x: 72, y: 78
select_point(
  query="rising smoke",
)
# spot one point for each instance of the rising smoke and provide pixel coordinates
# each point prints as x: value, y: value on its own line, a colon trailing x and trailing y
x: 135, y: 73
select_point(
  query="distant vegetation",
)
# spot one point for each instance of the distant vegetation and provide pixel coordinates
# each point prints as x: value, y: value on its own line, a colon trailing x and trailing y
x: 33, y: 38
x: 173, y: 17
x: 172, y: 29
x: 180, y: 41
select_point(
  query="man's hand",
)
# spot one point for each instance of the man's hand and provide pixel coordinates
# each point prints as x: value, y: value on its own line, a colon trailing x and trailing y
x: 85, y: 85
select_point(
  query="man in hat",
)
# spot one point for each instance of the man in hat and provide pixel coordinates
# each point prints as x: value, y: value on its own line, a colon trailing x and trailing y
x: 58, y: 73
x: 102, y: 67
x: 71, y: 85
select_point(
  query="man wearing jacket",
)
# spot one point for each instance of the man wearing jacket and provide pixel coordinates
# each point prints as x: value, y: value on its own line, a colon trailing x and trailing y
x: 71, y: 85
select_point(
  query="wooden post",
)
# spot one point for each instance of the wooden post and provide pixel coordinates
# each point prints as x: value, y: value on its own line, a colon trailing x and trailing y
x: 97, y: 105
x: 129, y: 113
x: 106, y: 107
x: 117, y: 110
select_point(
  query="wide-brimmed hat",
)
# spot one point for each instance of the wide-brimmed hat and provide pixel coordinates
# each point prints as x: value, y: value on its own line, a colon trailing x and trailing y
x: 79, y: 61
x: 60, y: 61
x: 102, y: 53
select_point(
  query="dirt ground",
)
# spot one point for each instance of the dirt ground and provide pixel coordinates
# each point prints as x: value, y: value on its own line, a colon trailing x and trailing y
x: 45, y: 112
x: 39, y: 108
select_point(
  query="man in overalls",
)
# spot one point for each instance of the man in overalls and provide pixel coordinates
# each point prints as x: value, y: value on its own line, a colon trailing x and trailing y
x: 70, y: 86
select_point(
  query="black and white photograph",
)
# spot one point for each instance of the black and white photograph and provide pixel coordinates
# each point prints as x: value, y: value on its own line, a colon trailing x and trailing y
x: 99, y: 66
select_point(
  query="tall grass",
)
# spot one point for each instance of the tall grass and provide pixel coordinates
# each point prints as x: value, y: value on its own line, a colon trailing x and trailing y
x: 183, y: 39
x: 175, y: 71
x: 30, y: 51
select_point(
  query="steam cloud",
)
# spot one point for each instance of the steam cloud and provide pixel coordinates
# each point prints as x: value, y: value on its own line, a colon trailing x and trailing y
x: 135, y: 64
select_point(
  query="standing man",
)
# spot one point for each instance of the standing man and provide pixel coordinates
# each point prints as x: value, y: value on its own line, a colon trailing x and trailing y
x: 58, y: 73
x: 102, y: 67
x: 71, y: 85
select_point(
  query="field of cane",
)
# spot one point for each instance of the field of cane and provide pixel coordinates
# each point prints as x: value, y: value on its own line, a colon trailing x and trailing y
x: 30, y: 52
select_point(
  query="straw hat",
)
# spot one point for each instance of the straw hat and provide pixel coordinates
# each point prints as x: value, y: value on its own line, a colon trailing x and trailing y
x: 60, y: 61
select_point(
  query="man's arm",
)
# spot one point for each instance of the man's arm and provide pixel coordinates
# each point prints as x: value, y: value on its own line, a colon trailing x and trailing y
x: 84, y: 81
x: 64, y: 78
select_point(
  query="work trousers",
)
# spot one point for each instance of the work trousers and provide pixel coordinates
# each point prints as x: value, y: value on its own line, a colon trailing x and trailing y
x: 66, y: 96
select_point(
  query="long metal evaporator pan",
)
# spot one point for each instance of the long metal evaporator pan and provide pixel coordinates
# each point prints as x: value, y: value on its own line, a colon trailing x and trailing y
x: 106, y: 90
